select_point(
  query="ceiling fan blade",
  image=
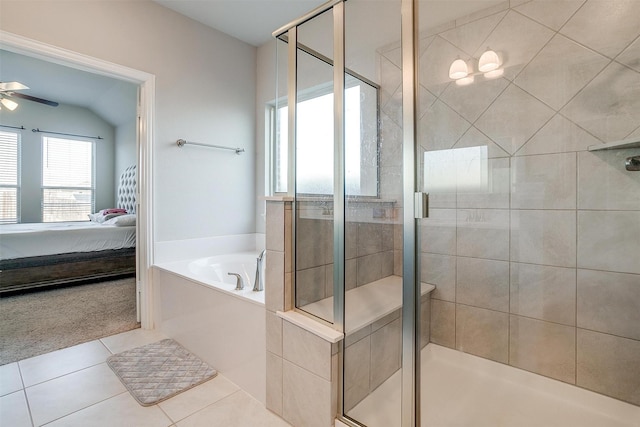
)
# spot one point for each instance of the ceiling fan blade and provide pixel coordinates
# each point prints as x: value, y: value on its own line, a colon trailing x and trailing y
x: 33, y: 98
x: 12, y: 86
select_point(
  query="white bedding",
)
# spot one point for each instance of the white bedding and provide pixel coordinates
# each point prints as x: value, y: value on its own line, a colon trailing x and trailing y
x: 27, y: 240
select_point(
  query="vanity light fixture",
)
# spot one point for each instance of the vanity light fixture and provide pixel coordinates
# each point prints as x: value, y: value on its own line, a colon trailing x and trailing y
x: 458, y: 69
x: 8, y: 104
x: 489, y: 65
x: 489, y: 61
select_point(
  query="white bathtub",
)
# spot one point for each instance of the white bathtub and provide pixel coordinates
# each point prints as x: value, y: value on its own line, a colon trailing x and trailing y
x: 195, y: 303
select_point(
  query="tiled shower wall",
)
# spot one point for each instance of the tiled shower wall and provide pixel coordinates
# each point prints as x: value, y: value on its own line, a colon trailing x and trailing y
x: 368, y: 247
x: 541, y: 270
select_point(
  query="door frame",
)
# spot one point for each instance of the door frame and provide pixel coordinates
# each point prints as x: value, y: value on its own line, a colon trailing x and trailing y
x: 144, y: 148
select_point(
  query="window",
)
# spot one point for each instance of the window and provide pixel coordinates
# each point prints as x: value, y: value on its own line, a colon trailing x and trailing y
x: 314, y: 143
x: 68, y: 189
x: 9, y: 177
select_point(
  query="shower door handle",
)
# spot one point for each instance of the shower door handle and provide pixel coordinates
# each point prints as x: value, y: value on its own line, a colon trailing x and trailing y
x: 421, y: 205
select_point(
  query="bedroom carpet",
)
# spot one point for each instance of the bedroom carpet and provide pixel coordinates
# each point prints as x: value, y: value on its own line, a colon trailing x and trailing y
x: 36, y: 323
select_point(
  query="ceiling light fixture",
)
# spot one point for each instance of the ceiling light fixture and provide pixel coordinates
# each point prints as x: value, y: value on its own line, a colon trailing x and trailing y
x: 489, y: 61
x: 9, y: 104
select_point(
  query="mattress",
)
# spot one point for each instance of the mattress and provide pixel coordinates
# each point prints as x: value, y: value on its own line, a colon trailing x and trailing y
x: 38, y: 239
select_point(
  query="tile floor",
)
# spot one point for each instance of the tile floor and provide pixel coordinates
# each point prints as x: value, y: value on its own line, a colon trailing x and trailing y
x: 75, y: 387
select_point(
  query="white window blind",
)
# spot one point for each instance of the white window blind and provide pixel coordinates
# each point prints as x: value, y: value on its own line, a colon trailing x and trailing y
x: 9, y: 177
x: 68, y: 191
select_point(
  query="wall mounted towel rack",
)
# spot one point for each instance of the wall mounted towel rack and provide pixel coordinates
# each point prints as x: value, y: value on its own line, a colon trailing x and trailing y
x: 182, y: 142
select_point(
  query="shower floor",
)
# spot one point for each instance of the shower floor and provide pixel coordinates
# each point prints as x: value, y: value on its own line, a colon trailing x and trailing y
x: 461, y: 390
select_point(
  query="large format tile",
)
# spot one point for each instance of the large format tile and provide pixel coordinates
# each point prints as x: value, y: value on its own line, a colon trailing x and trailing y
x: 544, y: 237
x: 544, y: 182
x: 435, y: 62
x: 471, y: 101
x: 59, y: 397
x: 239, y: 410
x: 307, y: 398
x: 443, y: 323
x: 119, y: 411
x: 609, y: 365
x: 14, y: 411
x: 197, y: 398
x: 517, y: 39
x: 608, y: 106
x: 631, y: 56
x: 608, y: 240
x: 440, y: 127
x: 559, y: 135
x: 484, y: 333
x: 469, y: 37
x: 609, y: 302
x: 474, y: 138
x: 274, y: 228
x: 274, y: 333
x: 357, y: 371
x: 513, y: 118
x: 55, y: 364
x: 440, y: 271
x: 544, y: 292
x: 306, y: 350
x: 483, y: 233
x: 274, y: 390
x: 552, y: 14
x: 606, y: 26
x: 494, y: 193
x: 483, y: 283
x: 559, y: 71
x: 310, y: 285
x: 10, y: 379
x: 439, y: 232
x: 386, y: 352
x: 545, y: 348
x: 603, y: 182
x: 132, y: 339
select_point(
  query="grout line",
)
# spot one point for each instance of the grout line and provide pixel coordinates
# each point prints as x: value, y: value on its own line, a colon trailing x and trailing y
x: 575, y: 340
x: 26, y: 399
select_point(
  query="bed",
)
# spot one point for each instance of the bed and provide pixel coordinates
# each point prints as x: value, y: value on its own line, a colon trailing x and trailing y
x: 50, y: 254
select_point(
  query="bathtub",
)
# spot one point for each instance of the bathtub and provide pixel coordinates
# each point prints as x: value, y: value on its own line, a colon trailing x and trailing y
x: 195, y: 303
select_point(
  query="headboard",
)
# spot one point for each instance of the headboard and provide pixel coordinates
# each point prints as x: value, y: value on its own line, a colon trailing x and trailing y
x: 127, y: 190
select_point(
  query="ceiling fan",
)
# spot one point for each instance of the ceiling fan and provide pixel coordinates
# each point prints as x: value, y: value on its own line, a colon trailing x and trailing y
x: 8, y: 91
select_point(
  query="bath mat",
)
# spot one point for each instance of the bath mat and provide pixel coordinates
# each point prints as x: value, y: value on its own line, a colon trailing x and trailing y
x: 157, y: 371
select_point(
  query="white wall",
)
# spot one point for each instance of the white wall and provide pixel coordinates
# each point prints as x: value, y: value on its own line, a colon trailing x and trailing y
x: 67, y: 119
x: 205, y: 92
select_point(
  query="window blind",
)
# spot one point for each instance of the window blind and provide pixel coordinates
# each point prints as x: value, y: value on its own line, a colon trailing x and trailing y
x: 68, y: 191
x: 9, y: 177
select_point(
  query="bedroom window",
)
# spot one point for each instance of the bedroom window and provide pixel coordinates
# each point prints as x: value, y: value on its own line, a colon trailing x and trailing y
x: 9, y: 177
x: 68, y: 189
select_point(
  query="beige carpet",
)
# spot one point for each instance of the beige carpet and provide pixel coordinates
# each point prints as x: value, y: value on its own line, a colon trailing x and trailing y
x: 37, y: 323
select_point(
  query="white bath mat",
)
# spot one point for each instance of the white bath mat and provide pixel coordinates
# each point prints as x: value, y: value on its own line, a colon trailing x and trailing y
x: 157, y: 371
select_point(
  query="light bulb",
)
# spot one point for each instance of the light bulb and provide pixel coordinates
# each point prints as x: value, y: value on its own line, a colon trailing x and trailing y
x: 489, y: 61
x: 9, y: 104
x: 458, y: 70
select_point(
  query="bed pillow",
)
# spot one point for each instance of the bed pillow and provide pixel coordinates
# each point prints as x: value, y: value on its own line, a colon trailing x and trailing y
x: 122, y: 220
x: 100, y: 217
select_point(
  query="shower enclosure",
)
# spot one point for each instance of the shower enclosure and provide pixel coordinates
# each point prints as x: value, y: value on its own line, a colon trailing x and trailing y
x: 462, y: 211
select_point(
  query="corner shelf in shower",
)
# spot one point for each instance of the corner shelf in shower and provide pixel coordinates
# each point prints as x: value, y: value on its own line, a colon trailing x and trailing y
x: 617, y: 145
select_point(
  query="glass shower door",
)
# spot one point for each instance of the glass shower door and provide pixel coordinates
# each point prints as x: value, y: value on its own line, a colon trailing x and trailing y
x: 532, y: 236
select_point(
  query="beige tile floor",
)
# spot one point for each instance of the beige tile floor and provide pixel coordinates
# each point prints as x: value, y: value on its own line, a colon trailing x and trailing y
x: 75, y: 387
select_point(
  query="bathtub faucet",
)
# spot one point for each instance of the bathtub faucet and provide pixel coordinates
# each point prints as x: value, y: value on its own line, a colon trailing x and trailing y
x: 239, y: 282
x: 258, y: 285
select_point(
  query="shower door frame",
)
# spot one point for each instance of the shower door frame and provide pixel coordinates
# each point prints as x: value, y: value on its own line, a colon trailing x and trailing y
x: 411, y: 238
